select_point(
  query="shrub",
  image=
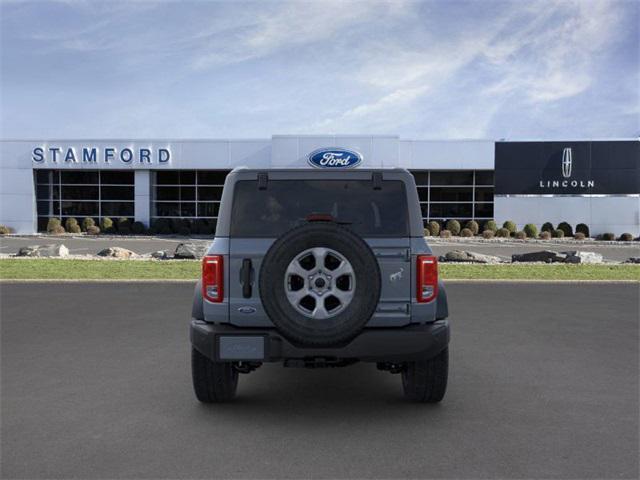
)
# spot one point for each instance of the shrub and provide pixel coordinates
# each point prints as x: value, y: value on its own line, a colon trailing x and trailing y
x: 74, y: 228
x: 87, y: 222
x: 124, y: 226
x: 427, y: 232
x: 138, y: 228
x: 445, y: 234
x: 503, y: 233
x: 545, y: 235
x: 161, y: 226
x: 509, y: 225
x: 583, y: 228
x: 434, y: 227
x: 521, y: 235
x: 466, y: 232
x: 4, y: 230
x: 491, y: 225
x: 557, y: 233
x: 57, y: 230
x: 202, y: 227
x: 608, y: 236
x: 106, y: 225
x: 547, y: 227
x: 531, y: 230
x: 52, y: 224
x: 566, y: 228
x: 453, y: 226
x: 473, y: 226
x: 626, y: 237
x: 488, y: 234
x: 70, y: 223
x: 93, y: 230
x: 579, y: 236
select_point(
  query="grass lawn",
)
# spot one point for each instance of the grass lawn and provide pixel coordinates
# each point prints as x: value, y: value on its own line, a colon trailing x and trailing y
x: 52, y: 269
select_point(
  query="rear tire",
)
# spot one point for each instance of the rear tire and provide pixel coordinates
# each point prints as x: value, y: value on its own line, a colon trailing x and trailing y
x: 213, y: 382
x: 425, y: 381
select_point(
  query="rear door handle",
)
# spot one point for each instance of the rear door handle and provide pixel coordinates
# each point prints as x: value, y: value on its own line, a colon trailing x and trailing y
x: 245, y: 277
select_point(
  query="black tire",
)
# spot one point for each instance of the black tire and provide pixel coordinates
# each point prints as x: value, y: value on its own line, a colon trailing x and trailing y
x: 426, y: 380
x: 343, y: 326
x: 213, y: 382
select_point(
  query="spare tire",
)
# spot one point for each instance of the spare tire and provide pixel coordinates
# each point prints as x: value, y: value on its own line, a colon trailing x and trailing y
x: 319, y: 284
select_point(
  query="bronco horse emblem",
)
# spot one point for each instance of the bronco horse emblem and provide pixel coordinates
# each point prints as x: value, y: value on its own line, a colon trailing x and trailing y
x: 394, y: 277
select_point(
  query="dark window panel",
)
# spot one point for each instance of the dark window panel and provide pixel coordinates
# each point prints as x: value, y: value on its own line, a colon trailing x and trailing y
x: 187, y: 193
x: 80, y: 209
x: 167, y: 209
x: 423, y: 194
x: 448, y: 194
x: 209, y: 193
x: 187, y: 177
x: 421, y: 178
x: 79, y: 177
x: 452, y: 178
x: 56, y: 192
x: 484, y: 177
x: 168, y: 178
x: 484, y: 194
x: 212, y: 177
x: 117, y: 193
x: 80, y: 192
x: 42, y: 191
x: 187, y: 209
x: 56, y: 208
x: 449, y: 210
x: 117, y: 177
x: 484, y: 210
x: 42, y: 223
x: 168, y: 193
x: 424, y: 208
x: 117, y: 209
x: 43, y: 208
x: 208, y: 209
x: 42, y: 176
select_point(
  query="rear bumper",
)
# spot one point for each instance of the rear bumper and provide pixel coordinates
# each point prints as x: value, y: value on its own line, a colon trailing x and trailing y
x: 229, y: 343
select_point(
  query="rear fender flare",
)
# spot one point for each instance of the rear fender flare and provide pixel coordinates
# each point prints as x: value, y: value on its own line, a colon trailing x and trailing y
x: 197, y: 311
x: 442, y: 307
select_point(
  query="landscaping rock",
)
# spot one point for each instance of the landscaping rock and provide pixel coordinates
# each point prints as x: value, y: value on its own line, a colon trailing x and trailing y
x: 190, y: 251
x: 468, y: 257
x: 582, y: 257
x: 53, y: 250
x: 116, y: 252
x: 546, y: 256
x: 160, y: 255
x: 632, y: 260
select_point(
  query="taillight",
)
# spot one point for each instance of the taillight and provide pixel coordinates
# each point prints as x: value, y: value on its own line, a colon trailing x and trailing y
x: 427, y: 276
x: 213, y: 278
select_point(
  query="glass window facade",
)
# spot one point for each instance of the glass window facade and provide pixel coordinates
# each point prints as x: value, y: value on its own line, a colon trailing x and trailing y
x: 80, y: 194
x: 455, y: 194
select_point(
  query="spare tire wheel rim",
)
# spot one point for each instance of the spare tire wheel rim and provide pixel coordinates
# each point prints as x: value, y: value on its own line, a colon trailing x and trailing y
x: 319, y: 283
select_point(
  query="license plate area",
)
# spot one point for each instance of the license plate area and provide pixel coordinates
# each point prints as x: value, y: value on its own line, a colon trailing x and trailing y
x: 241, y: 347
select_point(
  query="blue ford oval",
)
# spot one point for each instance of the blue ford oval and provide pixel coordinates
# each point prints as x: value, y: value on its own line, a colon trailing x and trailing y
x: 334, y: 158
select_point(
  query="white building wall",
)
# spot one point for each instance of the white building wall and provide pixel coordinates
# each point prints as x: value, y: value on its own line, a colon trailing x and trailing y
x: 17, y: 188
x: 142, y: 196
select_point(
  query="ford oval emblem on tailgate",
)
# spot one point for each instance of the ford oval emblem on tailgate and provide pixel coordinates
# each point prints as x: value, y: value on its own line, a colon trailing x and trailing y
x: 334, y: 158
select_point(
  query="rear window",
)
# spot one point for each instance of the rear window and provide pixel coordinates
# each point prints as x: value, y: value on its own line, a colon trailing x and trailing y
x: 285, y: 204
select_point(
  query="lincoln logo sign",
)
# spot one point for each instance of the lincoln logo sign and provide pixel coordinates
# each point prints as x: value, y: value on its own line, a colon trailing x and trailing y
x: 567, y: 166
x: 93, y: 155
x: 334, y: 158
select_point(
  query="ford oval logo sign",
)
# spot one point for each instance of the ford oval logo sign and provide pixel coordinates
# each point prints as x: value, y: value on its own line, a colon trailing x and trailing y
x: 334, y: 158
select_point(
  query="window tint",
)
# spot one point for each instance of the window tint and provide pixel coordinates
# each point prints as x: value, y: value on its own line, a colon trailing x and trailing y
x: 285, y: 204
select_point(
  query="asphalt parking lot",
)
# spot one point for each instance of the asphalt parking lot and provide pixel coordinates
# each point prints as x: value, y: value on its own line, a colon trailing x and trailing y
x: 96, y: 384
x: 141, y: 245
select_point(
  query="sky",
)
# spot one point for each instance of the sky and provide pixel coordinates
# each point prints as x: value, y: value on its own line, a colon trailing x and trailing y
x: 420, y: 70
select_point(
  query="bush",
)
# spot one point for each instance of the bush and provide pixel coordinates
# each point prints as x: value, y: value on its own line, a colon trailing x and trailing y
x: 87, y: 222
x: 547, y: 227
x: 57, y: 230
x: 511, y: 226
x: 161, y: 226
x: 503, y: 233
x: 545, y: 235
x: 202, y: 227
x: 138, y: 228
x: 566, y: 228
x: 453, y: 226
x: 124, y: 226
x: 521, y: 235
x: 93, y: 230
x: 491, y: 225
x: 69, y: 223
x: 4, y: 230
x: 466, y: 232
x: 52, y: 224
x: 608, y: 236
x: 427, y: 232
x: 583, y: 228
x: 473, y: 226
x: 626, y: 237
x: 557, y: 233
x: 531, y: 230
x: 74, y: 228
x: 434, y: 227
x: 106, y: 225
x: 445, y: 234
x: 579, y: 236
x: 488, y: 234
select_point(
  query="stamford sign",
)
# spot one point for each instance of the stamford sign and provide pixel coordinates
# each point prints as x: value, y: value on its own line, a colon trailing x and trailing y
x: 334, y: 158
x: 95, y: 155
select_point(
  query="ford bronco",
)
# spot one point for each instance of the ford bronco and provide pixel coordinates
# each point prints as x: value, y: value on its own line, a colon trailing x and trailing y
x: 319, y: 268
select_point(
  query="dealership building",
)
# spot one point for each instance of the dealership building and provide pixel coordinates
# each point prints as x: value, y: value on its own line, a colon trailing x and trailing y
x: 596, y: 182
